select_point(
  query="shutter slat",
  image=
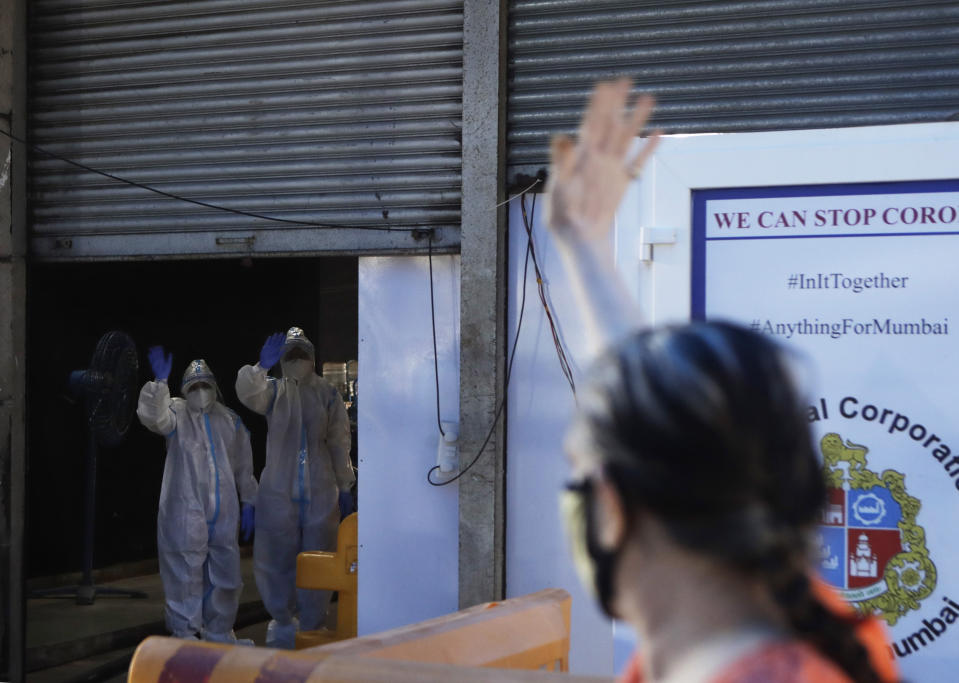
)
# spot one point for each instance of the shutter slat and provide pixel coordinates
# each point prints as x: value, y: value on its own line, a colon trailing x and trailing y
x: 310, y: 110
x: 730, y: 66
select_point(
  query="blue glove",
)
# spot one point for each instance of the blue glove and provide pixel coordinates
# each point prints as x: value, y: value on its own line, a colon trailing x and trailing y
x: 160, y: 363
x: 346, y: 504
x: 246, y: 521
x: 272, y: 350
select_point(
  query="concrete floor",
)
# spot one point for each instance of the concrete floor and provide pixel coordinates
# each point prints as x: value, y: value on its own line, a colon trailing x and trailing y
x: 82, y: 669
x: 66, y: 641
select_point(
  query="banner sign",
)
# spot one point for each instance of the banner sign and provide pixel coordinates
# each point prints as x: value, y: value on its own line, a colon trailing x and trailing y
x: 861, y: 279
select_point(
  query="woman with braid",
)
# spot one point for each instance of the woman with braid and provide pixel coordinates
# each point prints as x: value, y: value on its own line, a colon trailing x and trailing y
x: 694, y: 481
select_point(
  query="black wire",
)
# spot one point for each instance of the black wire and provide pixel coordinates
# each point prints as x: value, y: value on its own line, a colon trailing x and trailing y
x: 541, y: 288
x: 509, y: 371
x: 436, y: 368
x: 208, y: 205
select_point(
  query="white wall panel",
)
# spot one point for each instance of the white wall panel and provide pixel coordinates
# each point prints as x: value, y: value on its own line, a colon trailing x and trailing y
x: 541, y: 404
x: 408, y: 530
x: 539, y: 407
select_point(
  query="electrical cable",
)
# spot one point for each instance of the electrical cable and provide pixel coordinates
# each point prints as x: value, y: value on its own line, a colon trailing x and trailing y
x: 197, y: 202
x: 509, y: 370
x: 520, y: 193
x: 541, y: 287
x: 436, y: 367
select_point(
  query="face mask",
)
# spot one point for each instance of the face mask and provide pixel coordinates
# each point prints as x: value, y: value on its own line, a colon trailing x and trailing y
x: 594, y: 565
x: 298, y: 369
x: 200, y: 399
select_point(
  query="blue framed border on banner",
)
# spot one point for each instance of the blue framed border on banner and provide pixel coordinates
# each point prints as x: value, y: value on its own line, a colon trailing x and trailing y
x: 700, y: 199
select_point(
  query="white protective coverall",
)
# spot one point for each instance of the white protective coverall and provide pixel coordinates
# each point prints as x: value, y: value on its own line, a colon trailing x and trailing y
x: 208, y: 461
x: 297, y: 509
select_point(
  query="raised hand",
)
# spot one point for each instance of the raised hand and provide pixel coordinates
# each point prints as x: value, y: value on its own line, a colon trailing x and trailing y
x: 272, y: 350
x: 588, y: 176
x: 160, y: 363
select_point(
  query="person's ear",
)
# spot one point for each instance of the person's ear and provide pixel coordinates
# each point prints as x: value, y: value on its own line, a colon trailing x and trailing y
x: 610, y: 514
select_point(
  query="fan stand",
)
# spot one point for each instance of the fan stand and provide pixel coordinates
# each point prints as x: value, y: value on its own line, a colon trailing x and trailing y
x: 87, y: 591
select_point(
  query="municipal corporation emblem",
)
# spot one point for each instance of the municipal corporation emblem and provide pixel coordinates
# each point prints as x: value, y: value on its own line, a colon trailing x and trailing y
x: 871, y: 547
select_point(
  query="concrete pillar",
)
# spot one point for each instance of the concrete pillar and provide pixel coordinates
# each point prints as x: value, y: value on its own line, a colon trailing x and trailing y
x: 482, y: 303
x: 12, y: 335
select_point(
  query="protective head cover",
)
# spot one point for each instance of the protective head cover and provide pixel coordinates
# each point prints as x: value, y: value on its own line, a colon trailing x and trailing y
x: 198, y: 371
x: 297, y: 368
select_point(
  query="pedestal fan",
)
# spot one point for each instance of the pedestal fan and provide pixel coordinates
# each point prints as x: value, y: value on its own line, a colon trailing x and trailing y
x: 108, y: 392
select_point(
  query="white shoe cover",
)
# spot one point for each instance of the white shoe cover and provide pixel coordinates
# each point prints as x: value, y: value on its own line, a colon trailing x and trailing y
x: 282, y: 636
x: 228, y: 638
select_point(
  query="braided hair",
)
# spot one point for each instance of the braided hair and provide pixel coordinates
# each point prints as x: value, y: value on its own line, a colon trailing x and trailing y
x: 701, y: 425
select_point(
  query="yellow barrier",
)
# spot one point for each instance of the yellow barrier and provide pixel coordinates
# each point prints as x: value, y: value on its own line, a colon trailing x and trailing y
x: 170, y: 659
x: 530, y: 632
x: 335, y: 571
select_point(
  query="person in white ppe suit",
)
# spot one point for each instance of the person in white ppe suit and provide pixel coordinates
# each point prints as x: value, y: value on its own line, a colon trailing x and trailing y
x: 207, y: 475
x: 307, y: 464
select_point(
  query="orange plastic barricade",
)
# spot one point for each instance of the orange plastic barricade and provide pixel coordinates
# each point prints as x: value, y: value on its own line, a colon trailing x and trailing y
x: 491, y: 642
x: 529, y: 632
x: 335, y: 572
x: 170, y: 659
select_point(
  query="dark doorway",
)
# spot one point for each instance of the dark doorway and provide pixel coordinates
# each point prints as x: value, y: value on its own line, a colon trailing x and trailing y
x: 219, y: 310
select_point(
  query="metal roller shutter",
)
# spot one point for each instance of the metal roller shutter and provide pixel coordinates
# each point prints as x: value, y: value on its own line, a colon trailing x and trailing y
x: 326, y: 111
x: 730, y: 66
